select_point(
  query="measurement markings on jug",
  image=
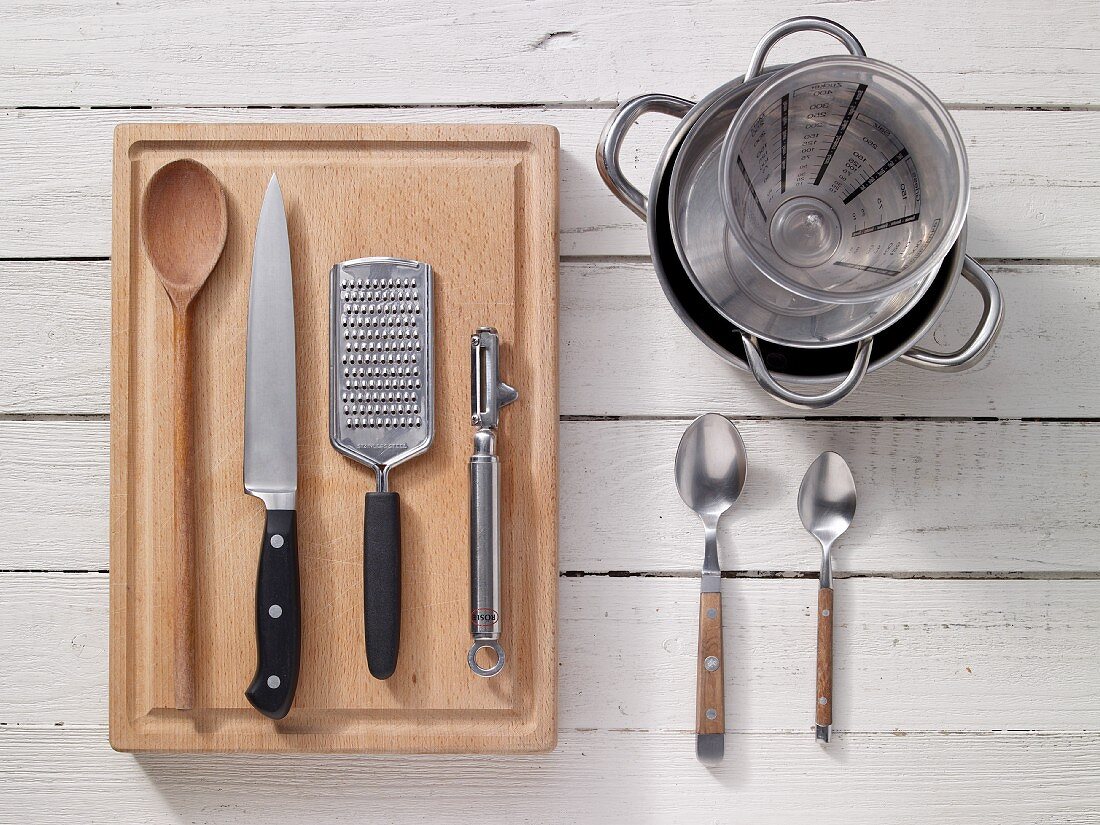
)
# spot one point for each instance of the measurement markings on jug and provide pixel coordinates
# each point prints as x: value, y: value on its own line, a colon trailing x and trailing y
x: 752, y: 189
x: 882, y: 170
x: 784, y: 124
x: 844, y: 121
x: 866, y: 268
x: 887, y: 224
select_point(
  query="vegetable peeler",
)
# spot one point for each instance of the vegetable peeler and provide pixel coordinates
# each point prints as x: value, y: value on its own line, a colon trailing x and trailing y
x: 488, y: 394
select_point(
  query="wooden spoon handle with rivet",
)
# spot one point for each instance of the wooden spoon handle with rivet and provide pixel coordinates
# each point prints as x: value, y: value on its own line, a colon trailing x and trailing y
x: 824, y: 700
x: 710, y: 712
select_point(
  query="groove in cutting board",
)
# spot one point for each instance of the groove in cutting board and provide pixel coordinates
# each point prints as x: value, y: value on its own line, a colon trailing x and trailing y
x: 480, y: 204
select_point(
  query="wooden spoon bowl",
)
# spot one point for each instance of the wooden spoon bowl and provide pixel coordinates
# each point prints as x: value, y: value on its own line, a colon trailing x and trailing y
x: 183, y: 226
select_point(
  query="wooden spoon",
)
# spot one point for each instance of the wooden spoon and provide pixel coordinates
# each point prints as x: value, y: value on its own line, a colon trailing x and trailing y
x: 183, y: 227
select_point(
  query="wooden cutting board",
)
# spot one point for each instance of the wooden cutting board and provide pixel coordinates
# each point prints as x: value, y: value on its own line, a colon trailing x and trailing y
x: 479, y: 203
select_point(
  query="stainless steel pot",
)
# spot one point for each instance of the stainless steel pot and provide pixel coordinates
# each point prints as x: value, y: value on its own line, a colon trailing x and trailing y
x: 843, y: 179
x: 717, y: 261
x: 773, y: 365
x: 718, y: 266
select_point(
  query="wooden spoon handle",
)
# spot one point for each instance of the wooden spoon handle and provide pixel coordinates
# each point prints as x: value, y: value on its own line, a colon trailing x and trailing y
x: 824, y: 698
x: 183, y: 627
x: 710, y: 714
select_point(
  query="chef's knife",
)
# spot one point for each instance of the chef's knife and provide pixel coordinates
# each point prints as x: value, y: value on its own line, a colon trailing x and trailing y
x: 271, y: 458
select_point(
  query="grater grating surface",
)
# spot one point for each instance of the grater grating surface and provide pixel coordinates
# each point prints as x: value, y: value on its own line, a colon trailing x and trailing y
x: 381, y: 393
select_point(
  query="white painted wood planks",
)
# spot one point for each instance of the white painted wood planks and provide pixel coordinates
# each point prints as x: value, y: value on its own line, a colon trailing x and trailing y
x: 910, y: 656
x: 1032, y: 195
x: 333, y: 52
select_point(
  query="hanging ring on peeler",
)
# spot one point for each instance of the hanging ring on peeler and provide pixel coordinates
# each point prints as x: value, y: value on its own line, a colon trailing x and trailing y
x: 477, y: 647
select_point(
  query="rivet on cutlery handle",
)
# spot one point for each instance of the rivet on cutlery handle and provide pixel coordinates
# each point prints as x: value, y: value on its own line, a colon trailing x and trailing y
x: 710, y: 716
x: 824, y: 700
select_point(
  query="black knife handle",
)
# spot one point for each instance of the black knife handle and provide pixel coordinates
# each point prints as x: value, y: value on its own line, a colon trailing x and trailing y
x: 382, y: 581
x: 278, y: 617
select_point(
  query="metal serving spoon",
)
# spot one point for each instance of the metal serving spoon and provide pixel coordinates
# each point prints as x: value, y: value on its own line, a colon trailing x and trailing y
x: 183, y: 228
x: 826, y: 503
x: 710, y: 474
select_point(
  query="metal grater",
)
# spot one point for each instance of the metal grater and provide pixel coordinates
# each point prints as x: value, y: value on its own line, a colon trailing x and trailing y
x: 381, y: 413
x: 381, y: 361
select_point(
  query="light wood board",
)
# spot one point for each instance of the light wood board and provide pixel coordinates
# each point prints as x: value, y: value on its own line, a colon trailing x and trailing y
x: 480, y: 204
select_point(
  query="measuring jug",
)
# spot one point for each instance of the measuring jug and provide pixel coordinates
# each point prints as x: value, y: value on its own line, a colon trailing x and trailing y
x: 844, y: 180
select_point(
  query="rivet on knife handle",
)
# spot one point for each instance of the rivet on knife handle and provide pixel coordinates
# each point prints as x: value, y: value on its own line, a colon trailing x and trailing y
x: 488, y: 394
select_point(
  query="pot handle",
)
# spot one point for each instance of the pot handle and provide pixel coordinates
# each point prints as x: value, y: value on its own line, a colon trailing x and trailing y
x: 807, y: 402
x: 974, y: 350
x: 801, y: 24
x: 611, y: 141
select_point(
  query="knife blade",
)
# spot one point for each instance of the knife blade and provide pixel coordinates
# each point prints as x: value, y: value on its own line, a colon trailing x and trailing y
x: 271, y: 458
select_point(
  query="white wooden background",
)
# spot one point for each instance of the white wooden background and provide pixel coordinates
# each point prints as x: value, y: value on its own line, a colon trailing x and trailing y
x: 968, y: 615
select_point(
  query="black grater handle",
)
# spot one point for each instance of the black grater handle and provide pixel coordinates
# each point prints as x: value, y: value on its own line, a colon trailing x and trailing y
x: 382, y: 581
x: 278, y: 622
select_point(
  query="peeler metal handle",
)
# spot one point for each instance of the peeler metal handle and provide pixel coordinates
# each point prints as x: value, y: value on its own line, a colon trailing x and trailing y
x: 488, y: 395
x: 485, y: 553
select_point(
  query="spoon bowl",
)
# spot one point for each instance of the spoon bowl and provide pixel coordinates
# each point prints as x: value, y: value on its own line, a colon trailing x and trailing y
x: 184, y: 220
x: 827, y: 498
x: 710, y: 465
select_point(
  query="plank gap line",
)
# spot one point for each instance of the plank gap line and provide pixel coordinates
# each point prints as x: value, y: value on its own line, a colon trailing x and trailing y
x: 916, y: 575
x: 971, y: 575
x: 596, y: 103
